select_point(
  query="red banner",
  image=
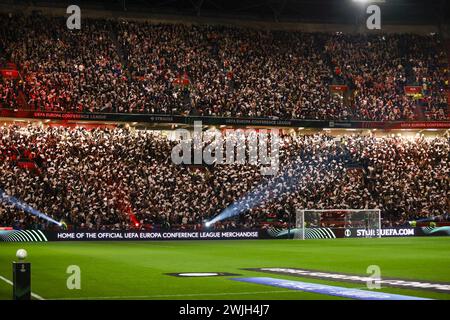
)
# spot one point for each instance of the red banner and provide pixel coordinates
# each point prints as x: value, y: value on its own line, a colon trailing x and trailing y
x: 30, y: 165
x: 339, y: 88
x: 8, y: 73
x: 412, y: 90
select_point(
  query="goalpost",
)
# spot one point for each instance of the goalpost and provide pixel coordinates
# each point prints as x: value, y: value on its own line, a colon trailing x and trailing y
x: 318, y: 223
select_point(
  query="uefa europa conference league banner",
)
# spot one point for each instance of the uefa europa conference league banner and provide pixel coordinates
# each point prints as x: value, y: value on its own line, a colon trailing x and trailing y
x: 151, y: 235
x: 161, y: 118
x: 271, y: 233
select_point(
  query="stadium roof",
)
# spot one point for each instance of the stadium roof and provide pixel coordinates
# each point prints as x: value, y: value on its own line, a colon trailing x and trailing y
x: 329, y: 11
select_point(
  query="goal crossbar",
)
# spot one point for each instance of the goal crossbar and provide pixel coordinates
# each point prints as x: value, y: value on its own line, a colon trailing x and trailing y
x: 309, y: 219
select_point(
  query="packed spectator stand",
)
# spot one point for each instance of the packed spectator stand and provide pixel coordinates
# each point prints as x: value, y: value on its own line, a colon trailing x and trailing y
x: 138, y: 67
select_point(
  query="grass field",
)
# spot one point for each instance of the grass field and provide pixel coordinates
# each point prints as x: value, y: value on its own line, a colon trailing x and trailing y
x: 136, y: 270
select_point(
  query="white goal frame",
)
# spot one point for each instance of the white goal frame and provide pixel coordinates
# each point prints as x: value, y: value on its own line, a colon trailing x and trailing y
x: 300, y: 218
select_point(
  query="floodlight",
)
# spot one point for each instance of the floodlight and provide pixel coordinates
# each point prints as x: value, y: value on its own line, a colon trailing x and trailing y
x: 369, y: 1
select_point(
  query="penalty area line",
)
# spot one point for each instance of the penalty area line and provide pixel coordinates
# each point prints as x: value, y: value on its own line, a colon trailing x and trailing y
x: 175, y: 295
x: 34, y: 295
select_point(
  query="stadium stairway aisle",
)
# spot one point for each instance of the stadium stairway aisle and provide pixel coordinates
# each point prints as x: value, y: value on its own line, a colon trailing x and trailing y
x: 448, y: 74
x: 120, y: 51
x: 22, y: 100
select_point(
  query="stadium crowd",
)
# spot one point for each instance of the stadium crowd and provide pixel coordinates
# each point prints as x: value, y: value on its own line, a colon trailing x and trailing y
x: 139, y: 67
x: 99, y: 178
x: 8, y: 94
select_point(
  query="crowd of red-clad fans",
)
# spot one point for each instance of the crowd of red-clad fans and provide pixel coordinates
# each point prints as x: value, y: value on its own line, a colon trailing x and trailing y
x: 99, y: 178
x: 138, y: 67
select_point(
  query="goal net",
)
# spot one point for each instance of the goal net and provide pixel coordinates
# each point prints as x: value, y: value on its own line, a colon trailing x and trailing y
x: 320, y: 223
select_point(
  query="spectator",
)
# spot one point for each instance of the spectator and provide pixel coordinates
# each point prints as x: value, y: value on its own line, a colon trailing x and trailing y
x: 95, y: 178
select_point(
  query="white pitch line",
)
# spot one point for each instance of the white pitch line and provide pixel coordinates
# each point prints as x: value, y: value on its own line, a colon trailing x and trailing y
x: 34, y: 295
x: 175, y: 295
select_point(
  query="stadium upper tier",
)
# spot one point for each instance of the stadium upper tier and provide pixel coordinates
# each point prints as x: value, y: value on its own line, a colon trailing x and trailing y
x: 138, y: 67
x: 109, y: 178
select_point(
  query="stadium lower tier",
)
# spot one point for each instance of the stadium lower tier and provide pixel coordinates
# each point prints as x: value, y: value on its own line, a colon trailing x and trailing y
x: 122, y: 178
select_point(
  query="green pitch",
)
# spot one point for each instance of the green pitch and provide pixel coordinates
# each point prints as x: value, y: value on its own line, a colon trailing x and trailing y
x: 136, y: 270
